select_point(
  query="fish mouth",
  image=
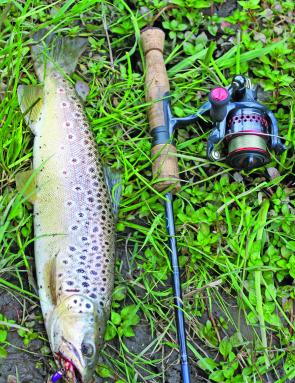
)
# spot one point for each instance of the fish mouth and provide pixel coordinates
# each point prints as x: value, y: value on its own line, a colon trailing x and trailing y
x: 71, y: 373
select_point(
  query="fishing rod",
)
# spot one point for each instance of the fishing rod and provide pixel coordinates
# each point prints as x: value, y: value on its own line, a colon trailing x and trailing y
x: 246, y: 129
x: 165, y: 165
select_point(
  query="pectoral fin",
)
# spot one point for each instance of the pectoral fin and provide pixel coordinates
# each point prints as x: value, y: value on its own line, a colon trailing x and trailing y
x: 26, y: 184
x: 52, y: 280
x: 49, y: 275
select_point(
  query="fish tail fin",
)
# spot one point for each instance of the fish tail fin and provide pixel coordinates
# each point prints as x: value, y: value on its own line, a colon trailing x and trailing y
x: 51, y: 51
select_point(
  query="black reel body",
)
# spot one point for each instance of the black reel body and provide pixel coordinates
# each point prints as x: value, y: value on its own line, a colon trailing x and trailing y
x: 247, y: 128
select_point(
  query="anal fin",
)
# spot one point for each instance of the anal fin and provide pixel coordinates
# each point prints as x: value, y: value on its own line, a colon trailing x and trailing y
x: 30, y: 98
x: 26, y: 184
x: 113, y: 180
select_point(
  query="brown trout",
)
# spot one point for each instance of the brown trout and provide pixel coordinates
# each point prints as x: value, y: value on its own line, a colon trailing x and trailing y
x: 73, y: 215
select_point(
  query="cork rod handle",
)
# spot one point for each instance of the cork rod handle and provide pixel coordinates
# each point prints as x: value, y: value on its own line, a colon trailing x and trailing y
x: 165, y: 166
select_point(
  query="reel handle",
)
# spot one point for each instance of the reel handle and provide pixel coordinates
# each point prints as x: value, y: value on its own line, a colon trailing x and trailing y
x: 165, y: 164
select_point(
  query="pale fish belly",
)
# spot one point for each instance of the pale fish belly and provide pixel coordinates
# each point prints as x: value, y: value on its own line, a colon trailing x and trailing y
x: 73, y: 219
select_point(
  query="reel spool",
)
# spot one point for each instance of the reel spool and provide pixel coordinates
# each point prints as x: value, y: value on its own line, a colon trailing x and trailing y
x: 247, y: 139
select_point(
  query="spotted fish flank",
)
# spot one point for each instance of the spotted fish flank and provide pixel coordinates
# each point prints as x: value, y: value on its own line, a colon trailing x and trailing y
x: 86, y: 230
x: 73, y: 216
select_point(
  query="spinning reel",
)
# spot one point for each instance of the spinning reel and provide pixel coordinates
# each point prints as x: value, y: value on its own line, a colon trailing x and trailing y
x: 247, y: 128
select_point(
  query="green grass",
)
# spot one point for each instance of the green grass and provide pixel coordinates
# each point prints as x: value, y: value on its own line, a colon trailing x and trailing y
x: 235, y: 232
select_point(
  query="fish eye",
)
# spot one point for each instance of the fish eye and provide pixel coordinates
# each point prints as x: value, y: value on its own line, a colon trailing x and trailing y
x: 87, y: 350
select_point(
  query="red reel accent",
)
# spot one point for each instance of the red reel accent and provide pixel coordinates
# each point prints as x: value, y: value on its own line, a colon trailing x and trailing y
x: 248, y: 149
x: 219, y: 94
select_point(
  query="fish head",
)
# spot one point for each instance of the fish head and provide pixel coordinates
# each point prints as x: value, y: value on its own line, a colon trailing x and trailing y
x: 76, y: 331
